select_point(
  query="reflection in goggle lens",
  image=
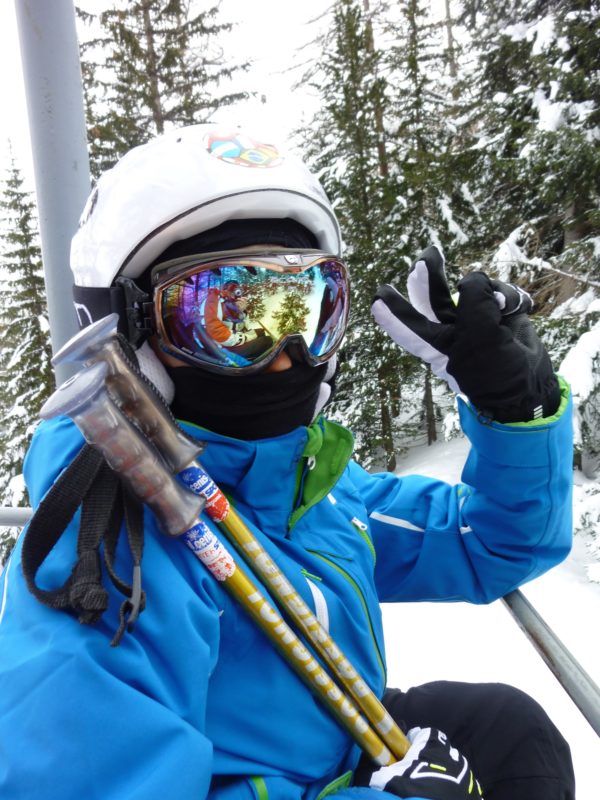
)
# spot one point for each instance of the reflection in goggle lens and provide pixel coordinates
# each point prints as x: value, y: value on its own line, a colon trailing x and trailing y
x: 235, y: 315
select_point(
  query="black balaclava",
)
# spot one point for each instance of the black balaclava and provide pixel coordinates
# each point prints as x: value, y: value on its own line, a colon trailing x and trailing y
x: 264, y: 404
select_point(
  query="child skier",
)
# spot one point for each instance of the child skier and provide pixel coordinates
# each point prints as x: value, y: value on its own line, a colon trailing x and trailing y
x: 195, y: 702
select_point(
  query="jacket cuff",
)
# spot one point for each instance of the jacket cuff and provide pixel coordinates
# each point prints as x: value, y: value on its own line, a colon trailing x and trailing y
x: 521, y: 444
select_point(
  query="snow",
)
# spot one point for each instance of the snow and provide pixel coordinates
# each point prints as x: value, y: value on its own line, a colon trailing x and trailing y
x: 586, y: 302
x: 466, y: 193
x: 16, y: 491
x: 541, y: 33
x: 550, y: 114
x: 544, y: 34
x: 508, y: 254
x: 457, y: 232
x: 457, y: 641
x: 578, y: 365
x: 517, y: 32
x: 586, y: 517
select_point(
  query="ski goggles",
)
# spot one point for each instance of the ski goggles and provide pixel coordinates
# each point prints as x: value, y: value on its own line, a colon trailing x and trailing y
x: 234, y: 312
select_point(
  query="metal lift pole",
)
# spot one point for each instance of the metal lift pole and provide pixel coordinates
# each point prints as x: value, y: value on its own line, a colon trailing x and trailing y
x: 53, y: 87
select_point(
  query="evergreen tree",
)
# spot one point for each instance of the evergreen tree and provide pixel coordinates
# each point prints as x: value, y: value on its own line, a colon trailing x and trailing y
x: 292, y: 313
x: 538, y: 129
x: 347, y: 144
x: 25, y: 369
x: 387, y: 155
x: 537, y: 126
x: 536, y: 91
x: 424, y: 103
x: 156, y: 64
x: 427, y: 153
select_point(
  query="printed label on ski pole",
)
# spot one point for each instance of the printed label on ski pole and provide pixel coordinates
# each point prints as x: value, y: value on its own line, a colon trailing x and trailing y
x: 217, y: 505
x: 210, y: 551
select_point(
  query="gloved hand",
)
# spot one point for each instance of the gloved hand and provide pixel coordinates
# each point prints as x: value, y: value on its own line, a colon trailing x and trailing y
x: 432, y: 769
x: 485, y: 346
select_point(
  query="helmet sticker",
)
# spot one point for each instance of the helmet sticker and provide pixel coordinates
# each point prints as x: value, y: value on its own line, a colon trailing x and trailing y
x: 235, y: 148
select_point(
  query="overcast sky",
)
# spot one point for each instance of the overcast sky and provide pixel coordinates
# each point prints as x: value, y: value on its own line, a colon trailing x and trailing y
x: 13, y: 119
x: 263, y: 33
x: 271, y: 33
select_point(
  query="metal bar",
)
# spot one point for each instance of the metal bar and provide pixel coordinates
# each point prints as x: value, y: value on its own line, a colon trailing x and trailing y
x: 580, y: 687
x: 53, y: 87
x: 14, y: 516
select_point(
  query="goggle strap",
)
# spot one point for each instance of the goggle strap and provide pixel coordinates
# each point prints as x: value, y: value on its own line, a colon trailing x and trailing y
x: 96, y: 302
x: 139, y: 311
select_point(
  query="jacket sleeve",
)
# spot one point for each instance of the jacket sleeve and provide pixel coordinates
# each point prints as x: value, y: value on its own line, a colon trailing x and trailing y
x: 79, y: 718
x: 508, y: 522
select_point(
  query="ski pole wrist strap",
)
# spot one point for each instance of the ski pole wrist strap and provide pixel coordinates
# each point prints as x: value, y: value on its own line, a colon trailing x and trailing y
x: 88, y: 481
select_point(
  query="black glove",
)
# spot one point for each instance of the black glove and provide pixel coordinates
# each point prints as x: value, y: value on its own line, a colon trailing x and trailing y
x: 485, y: 346
x: 432, y: 769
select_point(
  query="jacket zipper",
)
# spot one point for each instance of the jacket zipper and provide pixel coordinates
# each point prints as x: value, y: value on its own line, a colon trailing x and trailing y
x: 363, y: 602
x: 362, y: 529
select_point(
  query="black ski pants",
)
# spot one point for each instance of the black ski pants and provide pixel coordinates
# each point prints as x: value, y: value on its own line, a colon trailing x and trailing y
x: 514, y: 749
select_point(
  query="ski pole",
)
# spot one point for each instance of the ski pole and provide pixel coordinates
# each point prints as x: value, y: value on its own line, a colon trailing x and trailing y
x: 141, y: 404
x: 85, y: 399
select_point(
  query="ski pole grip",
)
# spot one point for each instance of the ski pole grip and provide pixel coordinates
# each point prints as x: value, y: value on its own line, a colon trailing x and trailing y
x: 84, y: 398
x: 134, y: 395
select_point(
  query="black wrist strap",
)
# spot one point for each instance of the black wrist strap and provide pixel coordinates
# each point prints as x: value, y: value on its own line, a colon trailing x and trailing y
x: 88, y: 481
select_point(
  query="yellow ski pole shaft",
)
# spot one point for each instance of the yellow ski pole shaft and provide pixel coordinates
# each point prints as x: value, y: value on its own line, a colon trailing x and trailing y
x: 221, y: 511
x: 270, y: 621
x: 85, y: 399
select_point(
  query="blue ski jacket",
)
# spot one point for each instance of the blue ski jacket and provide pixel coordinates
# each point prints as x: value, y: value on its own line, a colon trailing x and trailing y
x: 195, y: 702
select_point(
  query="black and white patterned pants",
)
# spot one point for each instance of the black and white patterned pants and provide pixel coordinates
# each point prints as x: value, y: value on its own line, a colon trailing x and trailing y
x: 514, y: 749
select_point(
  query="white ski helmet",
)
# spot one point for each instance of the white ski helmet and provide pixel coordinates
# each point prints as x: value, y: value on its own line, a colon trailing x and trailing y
x: 187, y: 181
x: 178, y: 185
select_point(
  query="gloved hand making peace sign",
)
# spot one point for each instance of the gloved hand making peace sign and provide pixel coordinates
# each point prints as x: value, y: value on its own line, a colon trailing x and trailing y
x: 484, y: 346
x: 431, y: 770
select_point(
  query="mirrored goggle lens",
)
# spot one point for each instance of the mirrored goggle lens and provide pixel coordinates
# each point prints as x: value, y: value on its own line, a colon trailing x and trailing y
x: 237, y: 315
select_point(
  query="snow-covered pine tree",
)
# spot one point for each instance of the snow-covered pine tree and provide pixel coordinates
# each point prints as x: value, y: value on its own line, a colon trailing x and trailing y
x: 502, y: 114
x: 538, y: 127
x: 420, y: 63
x: 26, y: 374
x: 347, y: 144
x: 148, y: 65
x: 434, y: 200
x: 387, y: 152
x: 536, y: 123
